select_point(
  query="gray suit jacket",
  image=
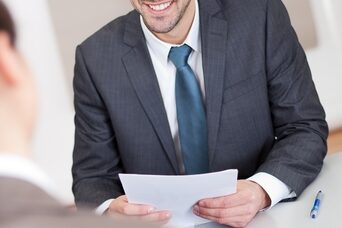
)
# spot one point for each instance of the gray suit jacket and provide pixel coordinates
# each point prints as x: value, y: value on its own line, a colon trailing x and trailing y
x: 263, y: 112
x: 24, y: 205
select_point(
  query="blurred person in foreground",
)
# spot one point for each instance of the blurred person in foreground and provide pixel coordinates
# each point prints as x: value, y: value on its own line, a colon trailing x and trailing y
x: 25, y: 192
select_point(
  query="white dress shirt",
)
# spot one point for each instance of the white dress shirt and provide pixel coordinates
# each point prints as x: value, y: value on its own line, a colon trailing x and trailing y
x: 15, y: 166
x: 166, y: 75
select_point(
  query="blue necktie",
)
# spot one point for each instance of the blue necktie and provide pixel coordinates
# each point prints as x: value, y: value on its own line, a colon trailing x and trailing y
x: 190, y: 114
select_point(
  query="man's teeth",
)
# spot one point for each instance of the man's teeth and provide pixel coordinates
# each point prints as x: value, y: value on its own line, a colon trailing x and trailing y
x: 161, y: 6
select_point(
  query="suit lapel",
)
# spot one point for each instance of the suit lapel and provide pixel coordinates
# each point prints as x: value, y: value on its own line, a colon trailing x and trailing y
x: 214, y: 37
x: 142, y: 76
x: 140, y: 70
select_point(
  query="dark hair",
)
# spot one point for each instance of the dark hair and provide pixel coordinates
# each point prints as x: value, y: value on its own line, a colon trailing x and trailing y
x: 6, y: 22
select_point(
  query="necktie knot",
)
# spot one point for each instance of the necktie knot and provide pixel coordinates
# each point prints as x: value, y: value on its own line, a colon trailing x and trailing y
x: 179, y: 55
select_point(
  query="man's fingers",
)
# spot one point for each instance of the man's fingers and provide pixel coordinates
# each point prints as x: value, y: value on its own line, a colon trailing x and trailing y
x: 236, y: 210
x: 244, y: 195
x: 135, y: 210
x: 160, y: 217
x: 121, y: 206
x: 234, y: 200
x: 224, y: 213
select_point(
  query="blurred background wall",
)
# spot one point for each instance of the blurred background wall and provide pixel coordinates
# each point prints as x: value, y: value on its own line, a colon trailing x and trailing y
x: 49, y: 31
x: 323, y: 26
x: 78, y: 21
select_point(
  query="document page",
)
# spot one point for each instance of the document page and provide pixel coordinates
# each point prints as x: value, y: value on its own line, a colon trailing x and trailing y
x: 178, y: 194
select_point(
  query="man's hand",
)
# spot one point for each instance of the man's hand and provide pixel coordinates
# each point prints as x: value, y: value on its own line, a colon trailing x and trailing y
x: 236, y: 210
x: 120, y: 208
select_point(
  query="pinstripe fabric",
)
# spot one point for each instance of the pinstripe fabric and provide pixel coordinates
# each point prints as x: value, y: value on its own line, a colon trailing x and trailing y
x: 263, y: 112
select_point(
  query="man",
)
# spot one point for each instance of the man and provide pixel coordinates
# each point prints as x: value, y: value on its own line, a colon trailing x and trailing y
x: 25, y: 192
x: 185, y: 86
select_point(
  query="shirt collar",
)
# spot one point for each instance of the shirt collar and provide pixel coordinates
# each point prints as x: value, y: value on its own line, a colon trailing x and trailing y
x: 18, y: 167
x: 161, y: 49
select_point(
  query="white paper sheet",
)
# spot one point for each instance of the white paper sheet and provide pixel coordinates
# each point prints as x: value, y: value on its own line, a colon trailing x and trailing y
x: 178, y: 194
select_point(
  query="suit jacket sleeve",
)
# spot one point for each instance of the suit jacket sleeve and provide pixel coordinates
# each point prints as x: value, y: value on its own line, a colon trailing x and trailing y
x: 298, y: 117
x: 95, y: 158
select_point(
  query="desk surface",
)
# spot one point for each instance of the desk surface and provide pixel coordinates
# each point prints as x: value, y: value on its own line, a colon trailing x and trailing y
x: 297, y: 214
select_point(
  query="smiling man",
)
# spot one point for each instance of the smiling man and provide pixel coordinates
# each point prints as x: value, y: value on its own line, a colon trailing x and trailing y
x: 184, y: 87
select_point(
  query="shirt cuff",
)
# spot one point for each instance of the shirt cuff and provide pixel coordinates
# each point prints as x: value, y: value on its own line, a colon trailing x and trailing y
x: 100, y: 210
x: 275, y: 188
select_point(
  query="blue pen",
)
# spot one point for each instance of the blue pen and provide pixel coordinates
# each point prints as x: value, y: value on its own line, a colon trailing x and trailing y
x: 317, y: 203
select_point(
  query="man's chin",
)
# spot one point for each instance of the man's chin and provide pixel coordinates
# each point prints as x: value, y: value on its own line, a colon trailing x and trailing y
x: 160, y: 25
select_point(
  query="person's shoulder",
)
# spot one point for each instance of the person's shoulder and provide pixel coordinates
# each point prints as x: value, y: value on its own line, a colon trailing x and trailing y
x: 237, y: 10
x: 112, y: 32
x: 239, y: 5
x: 229, y: 3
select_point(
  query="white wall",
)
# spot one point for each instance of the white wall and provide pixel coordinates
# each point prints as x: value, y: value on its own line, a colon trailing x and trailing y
x: 325, y: 57
x: 326, y: 60
x: 76, y: 20
x: 302, y: 19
